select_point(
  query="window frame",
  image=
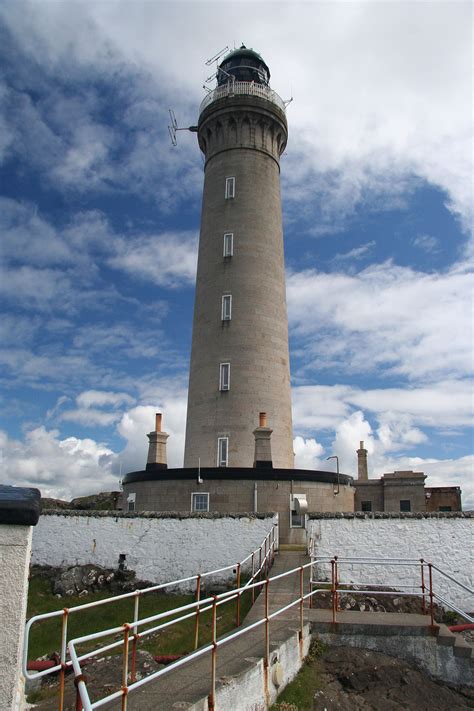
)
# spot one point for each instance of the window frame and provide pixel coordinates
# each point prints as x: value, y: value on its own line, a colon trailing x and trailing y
x: 223, y: 367
x: 226, y: 315
x: 230, y: 188
x: 230, y: 252
x: 405, y: 501
x: 132, y: 502
x: 365, y: 503
x: 223, y: 462
x: 196, y: 494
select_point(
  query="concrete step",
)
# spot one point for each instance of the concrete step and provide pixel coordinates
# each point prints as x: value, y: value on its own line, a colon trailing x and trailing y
x: 462, y: 648
x: 292, y: 547
x: 445, y: 637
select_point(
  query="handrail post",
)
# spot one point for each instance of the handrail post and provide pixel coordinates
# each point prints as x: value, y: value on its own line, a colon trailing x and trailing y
x: 333, y: 590
x: 336, y: 574
x: 422, y: 568
x: 62, y: 673
x: 237, y: 621
x: 301, y: 610
x: 430, y: 571
x: 253, y: 576
x: 125, y: 667
x: 266, y: 659
x: 135, y: 637
x: 196, y: 621
x: 212, y: 696
x: 260, y: 563
x: 265, y: 559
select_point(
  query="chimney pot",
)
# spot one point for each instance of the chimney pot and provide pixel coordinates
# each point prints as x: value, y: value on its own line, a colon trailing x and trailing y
x: 361, y: 444
x: 158, y: 418
x: 262, y: 416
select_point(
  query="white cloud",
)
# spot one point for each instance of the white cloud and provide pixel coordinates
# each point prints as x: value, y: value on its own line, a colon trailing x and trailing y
x: 410, y: 323
x: 307, y: 452
x: 61, y: 468
x: 103, y: 399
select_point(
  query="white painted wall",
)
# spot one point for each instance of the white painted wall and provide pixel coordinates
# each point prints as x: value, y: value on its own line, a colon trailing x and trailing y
x: 15, y: 549
x: 159, y: 549
x: 446, y: 542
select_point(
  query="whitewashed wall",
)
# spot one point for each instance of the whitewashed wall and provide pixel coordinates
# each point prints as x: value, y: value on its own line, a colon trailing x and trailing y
x: 443, y: 539
x: 160, y: 548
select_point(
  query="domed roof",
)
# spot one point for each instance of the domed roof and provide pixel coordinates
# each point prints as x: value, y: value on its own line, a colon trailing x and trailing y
x: 244, y: 65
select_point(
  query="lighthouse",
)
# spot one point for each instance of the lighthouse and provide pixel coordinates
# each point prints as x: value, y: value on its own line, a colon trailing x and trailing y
x: 240, y: 358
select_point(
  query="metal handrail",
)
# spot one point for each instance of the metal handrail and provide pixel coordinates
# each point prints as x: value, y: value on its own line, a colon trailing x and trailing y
x: 242, y: 88
x: 265, y: 554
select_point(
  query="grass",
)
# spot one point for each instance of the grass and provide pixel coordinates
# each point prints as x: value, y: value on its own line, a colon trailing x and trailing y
x: 45, y: 636
x: 299, y: 694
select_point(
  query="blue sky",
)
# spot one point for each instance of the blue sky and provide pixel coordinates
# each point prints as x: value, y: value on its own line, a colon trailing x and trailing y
x: 99, y: 221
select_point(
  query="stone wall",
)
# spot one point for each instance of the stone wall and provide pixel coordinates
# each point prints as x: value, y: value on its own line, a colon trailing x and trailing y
x: 159, y: 547
x: 444, y: 539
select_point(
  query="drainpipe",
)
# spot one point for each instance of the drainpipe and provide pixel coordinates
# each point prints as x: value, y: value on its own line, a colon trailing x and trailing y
x: 255, y: 497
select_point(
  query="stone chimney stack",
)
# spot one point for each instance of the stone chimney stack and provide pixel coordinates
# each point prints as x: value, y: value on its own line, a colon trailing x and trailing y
x: 263, y: 445
x: 362, y: 471
x: 157, y: 446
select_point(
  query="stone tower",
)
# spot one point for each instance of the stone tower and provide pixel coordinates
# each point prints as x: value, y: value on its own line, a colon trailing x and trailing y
x: 239, y: 358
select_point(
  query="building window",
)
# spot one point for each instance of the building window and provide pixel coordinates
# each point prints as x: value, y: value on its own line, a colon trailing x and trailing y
x: 226, y: 307
x: 444, y: 508
x: 228, y: 244
x: 131, y: 502
x: 222, y: 451
x: 366, y: 505
x: 199, y: 502
x: 224, y: 376
x: 405, y: 505
x: 229, y: 188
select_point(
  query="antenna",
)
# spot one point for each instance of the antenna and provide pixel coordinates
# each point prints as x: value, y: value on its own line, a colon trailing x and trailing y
x: 216, y: 56
x: 173, y: 128
x: 287, y: 101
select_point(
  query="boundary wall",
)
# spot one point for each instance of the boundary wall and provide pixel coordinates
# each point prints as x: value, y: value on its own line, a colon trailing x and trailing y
x: 159, y: 547
x: 444, y: 539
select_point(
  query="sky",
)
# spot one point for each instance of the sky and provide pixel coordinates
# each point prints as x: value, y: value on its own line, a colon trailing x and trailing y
x: 99, y: 225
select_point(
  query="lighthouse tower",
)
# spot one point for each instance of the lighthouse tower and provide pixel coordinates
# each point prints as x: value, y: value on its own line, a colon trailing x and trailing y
x: 239, y: 359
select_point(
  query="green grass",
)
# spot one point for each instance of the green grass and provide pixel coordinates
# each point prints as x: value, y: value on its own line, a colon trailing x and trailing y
x: 45, y: 635
x: 299, y: 694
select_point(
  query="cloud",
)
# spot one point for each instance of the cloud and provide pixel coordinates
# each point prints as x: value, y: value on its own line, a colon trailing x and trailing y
x: 307, y: 452
x: 427, y: 243
x: 356, y: 253
x: 102, y: 399
x: 367, y: 321
x: 61, y: 468
x: 88, y: 415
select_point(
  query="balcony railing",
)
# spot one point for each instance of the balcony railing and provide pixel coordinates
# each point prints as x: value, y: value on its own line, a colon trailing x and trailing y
x: 242, y: 88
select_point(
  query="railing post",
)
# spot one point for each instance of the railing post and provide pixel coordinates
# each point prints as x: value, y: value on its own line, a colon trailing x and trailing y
x: 336, y: 575
x: 77, y: 680
x: 266, y: 660
x: 135, y: 637
x: 265, y: 559
x: 62, y: 673
x: 333, y: 590
x: 126, y: 636
x: 196, y: 621
x: 430, y: 571
x: 237, y: 621
x: 253, y: 576
x: 301, y: 610
x: 260, y: 563
x: 422, y: 568
x: 212, y: 696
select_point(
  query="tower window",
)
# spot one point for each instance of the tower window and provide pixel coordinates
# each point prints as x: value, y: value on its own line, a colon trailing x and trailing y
x: 229, y: 188
x: 131, y: 498
x: 405, y: 505
x: 222, y: 451
x: 226, y: 307
x: 224, y: 376
x: 366, y: 505
x: 228, y: 244
x: 199, y: 502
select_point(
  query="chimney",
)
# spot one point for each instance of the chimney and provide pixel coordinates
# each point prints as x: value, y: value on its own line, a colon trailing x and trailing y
x: 362, y: 471
x: 263, y: 446
x: 157, y: 447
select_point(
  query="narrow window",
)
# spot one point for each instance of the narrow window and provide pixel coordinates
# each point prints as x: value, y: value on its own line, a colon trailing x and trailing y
x: 199, y: 502
x: 366, y: 505
x: 131, y: 502
x: 229, y: 188
x: 226, y: 307
x: 222, y: 451
x: 228, y: 244
x: 405, y: 505
x: 224, y: 376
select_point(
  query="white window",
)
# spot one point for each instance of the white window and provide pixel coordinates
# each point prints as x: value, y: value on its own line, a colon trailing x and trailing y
x: 226, y: 307
x: 229, y: 188
x: 131, y: 502
x: 228, y: 244
x: 224, y: 376
x: 222, y: 451
x: 199, y: 502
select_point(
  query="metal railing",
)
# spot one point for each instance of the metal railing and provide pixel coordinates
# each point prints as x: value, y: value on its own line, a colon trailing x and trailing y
x: 233, y: 88
x: 258, y: 563
x: 423, y: 589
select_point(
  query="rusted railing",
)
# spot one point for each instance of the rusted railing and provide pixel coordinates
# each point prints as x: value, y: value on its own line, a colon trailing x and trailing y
x: 265, y: 554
